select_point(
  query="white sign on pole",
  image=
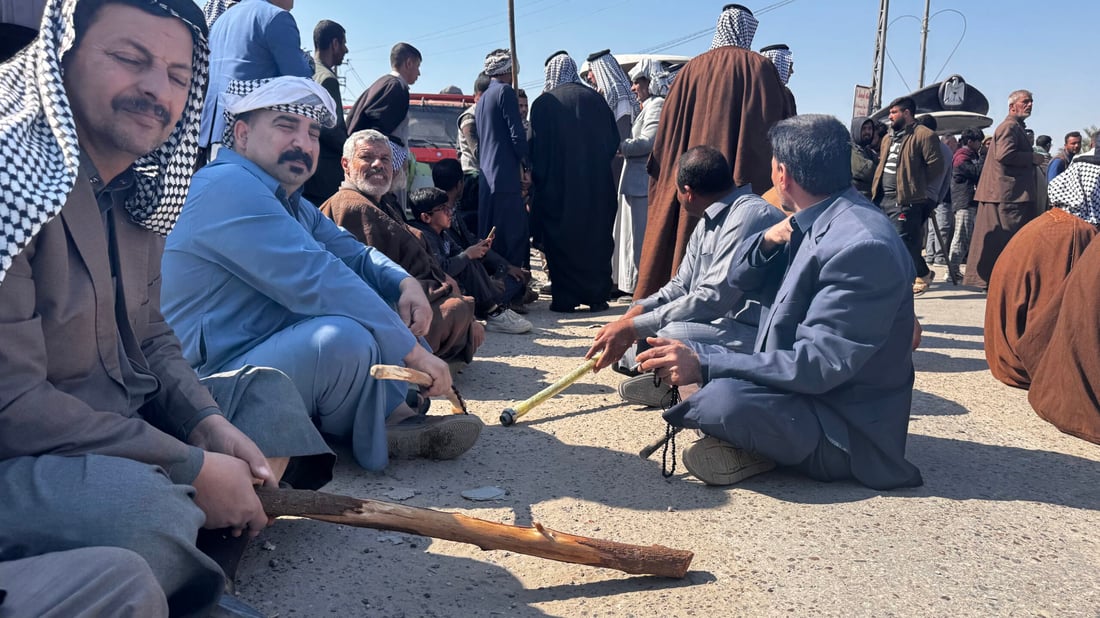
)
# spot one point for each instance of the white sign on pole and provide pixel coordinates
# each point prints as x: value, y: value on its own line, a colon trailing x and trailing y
x: 862, y: 103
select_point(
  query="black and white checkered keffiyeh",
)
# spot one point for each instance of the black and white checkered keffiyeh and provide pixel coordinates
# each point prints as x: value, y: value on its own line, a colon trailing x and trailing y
x: 39, y: 152
x: 560, y: 69
x: 736, y: 27
x: 290, y: 94
x: 498, y: 62
x: 782, y: 58
x: 614, y: 85
x: 1077, y: 190
x: 213, y: 9
x: 659, y: 78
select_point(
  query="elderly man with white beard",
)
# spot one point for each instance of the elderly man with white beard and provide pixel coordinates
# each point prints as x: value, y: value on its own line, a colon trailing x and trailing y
x: 255, y: 275
x: 365, y: 207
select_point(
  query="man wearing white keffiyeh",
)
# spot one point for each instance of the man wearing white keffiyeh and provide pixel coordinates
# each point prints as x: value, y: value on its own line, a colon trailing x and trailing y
x: 781, y: 57
x: 613, y: 84
x: 110, y: 439
x: 320, y: 304
x: 1030, y: 271
x: 560, y: 69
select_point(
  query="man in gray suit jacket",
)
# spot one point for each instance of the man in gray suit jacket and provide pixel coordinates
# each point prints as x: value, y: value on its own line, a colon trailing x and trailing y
x: 828, y: 389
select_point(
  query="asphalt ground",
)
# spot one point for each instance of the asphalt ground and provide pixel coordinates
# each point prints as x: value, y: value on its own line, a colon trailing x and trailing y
x: 1005, y: 524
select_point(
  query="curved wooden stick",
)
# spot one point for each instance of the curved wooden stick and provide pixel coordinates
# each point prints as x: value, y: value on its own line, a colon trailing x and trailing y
x: 413, y: 376
x: 533, y: 541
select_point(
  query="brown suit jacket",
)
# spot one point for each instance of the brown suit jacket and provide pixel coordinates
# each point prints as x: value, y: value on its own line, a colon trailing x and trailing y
x: 61, y: 382
x: 1009, y: 173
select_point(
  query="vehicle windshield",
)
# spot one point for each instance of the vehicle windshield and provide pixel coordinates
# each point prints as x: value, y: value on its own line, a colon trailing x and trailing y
x: 433, y: 127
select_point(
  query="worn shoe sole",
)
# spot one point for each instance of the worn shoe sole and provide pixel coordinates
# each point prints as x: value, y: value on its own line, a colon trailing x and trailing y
x: 639, y: 390
x: 718, y: 463
x: 445, y: 438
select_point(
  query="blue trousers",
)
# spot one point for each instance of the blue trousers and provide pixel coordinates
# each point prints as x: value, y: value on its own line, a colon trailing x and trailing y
x: 329, y: 359
x: 505, y: 211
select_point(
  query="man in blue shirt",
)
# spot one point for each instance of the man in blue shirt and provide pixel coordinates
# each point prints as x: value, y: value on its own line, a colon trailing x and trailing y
x: 254, y: 275
x: 828, y: 388
x: 258, y: 39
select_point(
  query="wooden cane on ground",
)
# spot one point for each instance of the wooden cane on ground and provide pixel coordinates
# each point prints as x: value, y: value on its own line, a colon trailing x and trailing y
x: 412, y: 376
x: 536, y: 541
x: 509, y: 415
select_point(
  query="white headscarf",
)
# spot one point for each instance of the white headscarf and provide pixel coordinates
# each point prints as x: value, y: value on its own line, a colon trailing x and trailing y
x: 736, y: 27
x: 560, y: 69
x: 213, y: 9
x: 39, y: 151
x: 498, y: 62
x: 659, y: 79
x: 1077, y: 190
x: 613, y: 83
x: 782, y: 58
x: 295, y: 95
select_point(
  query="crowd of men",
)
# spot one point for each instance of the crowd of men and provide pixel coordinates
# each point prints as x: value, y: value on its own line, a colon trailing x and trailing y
x: 203, y: 259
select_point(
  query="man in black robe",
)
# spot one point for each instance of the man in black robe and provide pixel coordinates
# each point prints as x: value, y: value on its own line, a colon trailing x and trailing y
x: 574, y: 138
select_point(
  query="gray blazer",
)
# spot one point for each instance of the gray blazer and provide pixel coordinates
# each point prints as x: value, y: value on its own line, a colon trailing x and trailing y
x: 61, y: 381
x: 636, y: 149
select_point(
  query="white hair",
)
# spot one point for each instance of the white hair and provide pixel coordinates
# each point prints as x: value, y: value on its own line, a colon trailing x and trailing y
x: 366, y: 135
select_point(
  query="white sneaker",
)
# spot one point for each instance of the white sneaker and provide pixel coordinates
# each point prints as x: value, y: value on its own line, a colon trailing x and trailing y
x: 507, y: 321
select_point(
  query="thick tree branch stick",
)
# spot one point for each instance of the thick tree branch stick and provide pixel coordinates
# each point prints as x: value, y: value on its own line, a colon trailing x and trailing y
x: 534, y: 541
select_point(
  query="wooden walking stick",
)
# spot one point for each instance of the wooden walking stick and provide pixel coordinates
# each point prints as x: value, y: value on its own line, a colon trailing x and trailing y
x: 412, y: 376
x: 509, y: 415
x: 536, y: 541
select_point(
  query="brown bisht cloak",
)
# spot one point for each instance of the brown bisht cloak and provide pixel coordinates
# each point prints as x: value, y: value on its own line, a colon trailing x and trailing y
x: 377, y: 225
x: 1026, y: 278
x: 727, y: 98
x: 1059, y: 352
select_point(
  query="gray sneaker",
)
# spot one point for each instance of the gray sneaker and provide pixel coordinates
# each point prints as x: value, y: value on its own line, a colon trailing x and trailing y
x: 640, y: 390
x: 507, y: 321
x: 433, y: 437
x: 720, y: 463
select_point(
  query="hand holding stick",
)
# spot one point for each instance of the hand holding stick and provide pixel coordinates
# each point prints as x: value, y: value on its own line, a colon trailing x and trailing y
x: 413, y: 376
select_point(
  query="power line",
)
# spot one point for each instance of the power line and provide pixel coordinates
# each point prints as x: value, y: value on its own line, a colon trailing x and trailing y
x: 897, y: 70
x: 687, y: 38
x: 962, y: 37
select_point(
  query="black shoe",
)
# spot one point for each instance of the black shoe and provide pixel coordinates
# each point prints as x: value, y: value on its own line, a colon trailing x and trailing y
x: 598, y: 307
x: 563, y: 308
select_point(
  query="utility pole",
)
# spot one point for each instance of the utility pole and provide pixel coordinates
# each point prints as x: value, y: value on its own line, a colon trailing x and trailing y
x: 880, y: 55
x: 924, y: 42
x: 512, y: 43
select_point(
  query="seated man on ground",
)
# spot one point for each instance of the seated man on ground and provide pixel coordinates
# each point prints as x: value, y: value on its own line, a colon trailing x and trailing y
x: 697, y: 306
x: 448, y: 176
x: 828, y: 388
x: 112, y: 453
x: 255, y: 275
x: 491, y: 301
x: 359, y: 208
x: 1029, y: 274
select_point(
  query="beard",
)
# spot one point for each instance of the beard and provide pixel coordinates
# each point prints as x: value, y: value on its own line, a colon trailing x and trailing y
x: 373, y: 183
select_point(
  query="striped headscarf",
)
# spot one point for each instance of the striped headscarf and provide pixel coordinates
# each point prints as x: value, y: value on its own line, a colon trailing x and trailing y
x: 1077, y: 190
x: 498, y: 62
x: 736, y: 27
x: 782, y: 58
x: 39, y: 150
x: 213, y: 9
x: 659, y: 79
x: 295, y: 95
x: 613, y: 84
x: 560, y: 69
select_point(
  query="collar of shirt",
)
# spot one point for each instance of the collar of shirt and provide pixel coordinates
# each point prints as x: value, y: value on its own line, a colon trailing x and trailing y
x: 228, y: 155
x: 400, y: 79
x: 715, y: 210
x: 803, y: 221
x: 111, y: 194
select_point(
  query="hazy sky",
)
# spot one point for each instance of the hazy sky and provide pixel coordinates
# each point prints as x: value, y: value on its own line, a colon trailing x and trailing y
x: 1008, y: 44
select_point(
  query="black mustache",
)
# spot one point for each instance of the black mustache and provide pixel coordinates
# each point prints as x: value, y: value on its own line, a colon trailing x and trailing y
x: 297, y: 155
x: 141, y: 105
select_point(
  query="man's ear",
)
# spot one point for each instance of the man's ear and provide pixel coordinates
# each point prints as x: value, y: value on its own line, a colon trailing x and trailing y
x: 425, y: 217
x: 240, y: 133
x: 344, y: 163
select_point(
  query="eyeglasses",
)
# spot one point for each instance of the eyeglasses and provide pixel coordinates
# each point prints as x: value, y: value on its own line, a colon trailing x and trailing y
x: 444, y: 208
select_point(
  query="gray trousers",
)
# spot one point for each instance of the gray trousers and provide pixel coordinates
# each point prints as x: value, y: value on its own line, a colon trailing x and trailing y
x: 86, y: 582
x: 703, y: 337
x: 778, y: 425
x: 53, y: 503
